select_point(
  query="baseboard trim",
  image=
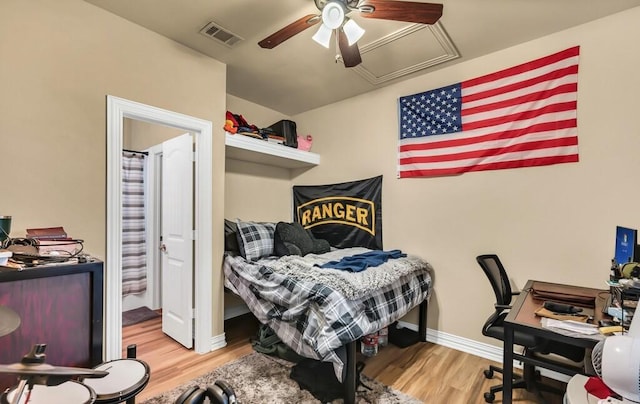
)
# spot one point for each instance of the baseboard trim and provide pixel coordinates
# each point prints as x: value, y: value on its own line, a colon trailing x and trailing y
x: 218, y: 341
x: 476, y: 348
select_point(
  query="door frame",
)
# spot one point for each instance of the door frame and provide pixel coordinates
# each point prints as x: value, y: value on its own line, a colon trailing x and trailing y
x: 117, y: 110
x: 152, y: 221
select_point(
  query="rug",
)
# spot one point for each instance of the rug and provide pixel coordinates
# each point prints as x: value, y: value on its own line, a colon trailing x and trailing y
x: 258, y: 378
x: 138, y: 315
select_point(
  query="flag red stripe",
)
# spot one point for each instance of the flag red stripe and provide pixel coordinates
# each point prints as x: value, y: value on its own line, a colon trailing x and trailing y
x: 542, y: 127
x: 569, y: 70
x: 525, y: 67
x: 559, y: 107
x: 539, y: 95
x: 520, y: 147
x: 573, y: 158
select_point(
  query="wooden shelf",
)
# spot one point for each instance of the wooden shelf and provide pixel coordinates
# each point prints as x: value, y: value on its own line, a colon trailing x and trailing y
x: 245, y: 148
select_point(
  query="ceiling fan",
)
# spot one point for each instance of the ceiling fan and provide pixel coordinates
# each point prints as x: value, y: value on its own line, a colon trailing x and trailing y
x: 334, y: 17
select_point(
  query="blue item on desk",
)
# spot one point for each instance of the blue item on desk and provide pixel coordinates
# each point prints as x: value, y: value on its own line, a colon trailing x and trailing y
x: 617, y: 312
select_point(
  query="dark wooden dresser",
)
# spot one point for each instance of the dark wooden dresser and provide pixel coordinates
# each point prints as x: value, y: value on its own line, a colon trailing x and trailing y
x: 59, y: 305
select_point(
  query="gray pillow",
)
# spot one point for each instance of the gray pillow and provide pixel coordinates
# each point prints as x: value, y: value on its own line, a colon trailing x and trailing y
x: 255, y: 240
x: 293, y: 239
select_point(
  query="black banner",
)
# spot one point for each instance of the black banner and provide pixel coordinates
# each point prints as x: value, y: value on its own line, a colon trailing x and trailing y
x: 348, y: 214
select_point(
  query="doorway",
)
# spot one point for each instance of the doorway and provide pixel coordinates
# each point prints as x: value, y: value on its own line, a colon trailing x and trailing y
x: 117, y: 110
x: 158, y: 200
x: 148, y: 295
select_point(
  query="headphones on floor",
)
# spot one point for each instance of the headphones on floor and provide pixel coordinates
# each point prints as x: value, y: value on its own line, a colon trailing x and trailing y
x: 219, y: 393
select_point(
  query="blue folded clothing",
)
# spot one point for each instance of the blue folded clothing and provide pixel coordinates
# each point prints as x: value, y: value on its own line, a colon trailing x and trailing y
x: 360, y: 262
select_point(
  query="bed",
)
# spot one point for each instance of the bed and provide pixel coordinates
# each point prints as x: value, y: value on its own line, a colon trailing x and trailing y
x: 322, y: 312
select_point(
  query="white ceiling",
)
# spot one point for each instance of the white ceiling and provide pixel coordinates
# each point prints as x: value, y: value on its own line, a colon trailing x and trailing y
x: 299, y: 75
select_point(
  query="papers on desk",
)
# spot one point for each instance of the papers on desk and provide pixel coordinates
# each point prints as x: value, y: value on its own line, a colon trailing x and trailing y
x: 572, y: 328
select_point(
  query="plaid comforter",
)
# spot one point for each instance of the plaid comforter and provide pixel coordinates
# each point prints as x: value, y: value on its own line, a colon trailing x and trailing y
x: 314, y: 319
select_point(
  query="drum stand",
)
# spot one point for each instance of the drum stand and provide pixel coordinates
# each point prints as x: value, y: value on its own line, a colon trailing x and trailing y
x: 33, y: 370
x: 131, y: 354
x: 20, y: 390
x: 36, y: 356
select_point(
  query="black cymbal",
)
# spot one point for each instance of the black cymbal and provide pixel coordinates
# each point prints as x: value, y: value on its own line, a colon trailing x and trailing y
x: 9, y: 320
x: 43, y: 369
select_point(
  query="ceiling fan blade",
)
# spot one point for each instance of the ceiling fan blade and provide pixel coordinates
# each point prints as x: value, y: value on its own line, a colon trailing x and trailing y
x: 290, y: 30
x: 408, y: 11
x: 350, y: 54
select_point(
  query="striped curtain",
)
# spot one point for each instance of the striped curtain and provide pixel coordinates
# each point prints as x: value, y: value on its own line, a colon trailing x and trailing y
x: 134, y: 260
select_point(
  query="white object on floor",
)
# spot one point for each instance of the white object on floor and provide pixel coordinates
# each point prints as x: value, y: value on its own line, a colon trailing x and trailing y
x: 577, y: 394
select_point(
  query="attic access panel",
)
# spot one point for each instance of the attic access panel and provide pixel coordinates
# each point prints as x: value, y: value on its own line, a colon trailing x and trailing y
x: 407, y: 50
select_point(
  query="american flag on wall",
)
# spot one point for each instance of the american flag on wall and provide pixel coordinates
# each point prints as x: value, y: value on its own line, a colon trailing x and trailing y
x: 519, y: 117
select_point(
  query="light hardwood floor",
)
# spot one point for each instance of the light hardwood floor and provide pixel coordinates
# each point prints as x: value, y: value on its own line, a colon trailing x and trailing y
x: 429, y: 372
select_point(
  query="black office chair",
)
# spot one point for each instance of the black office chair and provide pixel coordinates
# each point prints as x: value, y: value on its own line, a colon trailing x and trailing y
x: 534, y: 346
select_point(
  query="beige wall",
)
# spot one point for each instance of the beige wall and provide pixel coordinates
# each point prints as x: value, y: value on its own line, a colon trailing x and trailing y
x: 255, y: 114
x: 553, y: 223
x: 256, y: 192
x: 59, y: 61
x: 139, y: 135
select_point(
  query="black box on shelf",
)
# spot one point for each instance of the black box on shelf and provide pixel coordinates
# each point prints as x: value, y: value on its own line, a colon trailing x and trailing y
x: 286, y: 129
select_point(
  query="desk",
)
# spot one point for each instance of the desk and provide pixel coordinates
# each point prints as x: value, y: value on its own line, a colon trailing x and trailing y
x: 522, y: 317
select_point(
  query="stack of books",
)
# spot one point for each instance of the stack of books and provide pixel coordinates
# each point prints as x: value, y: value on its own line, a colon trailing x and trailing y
x: 54, y: 241
x: 48, y: 233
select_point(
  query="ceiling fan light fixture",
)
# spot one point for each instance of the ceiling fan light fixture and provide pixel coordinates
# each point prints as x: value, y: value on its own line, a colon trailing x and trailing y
x: 333, y: 15
x: 323, y: 36
x: 353, y: 31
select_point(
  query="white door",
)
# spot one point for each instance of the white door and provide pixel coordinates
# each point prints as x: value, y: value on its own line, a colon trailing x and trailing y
x: 177, y: 239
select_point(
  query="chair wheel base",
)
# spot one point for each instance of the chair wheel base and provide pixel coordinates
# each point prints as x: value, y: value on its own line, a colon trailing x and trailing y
x: 488, y: 373
x: 489, y: 397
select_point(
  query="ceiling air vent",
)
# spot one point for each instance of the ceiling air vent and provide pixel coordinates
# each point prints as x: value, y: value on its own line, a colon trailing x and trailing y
x: 215, y: 31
